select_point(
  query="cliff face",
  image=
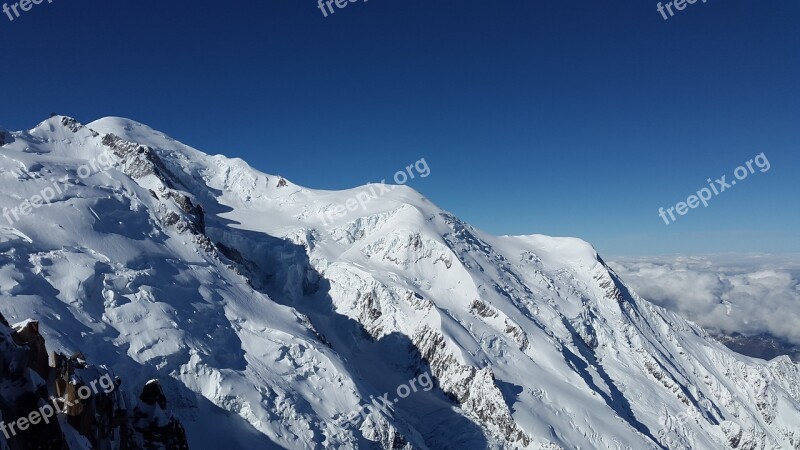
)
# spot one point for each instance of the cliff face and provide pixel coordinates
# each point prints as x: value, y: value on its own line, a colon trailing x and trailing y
x: 22, y: 391
x: 72, y: 405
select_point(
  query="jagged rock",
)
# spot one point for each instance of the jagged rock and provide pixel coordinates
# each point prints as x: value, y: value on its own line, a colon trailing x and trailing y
x: 482, y: 309
x: 73, y: 125
x: 27, y: 333
x: 198, y: 225
x: 21, y: 395
x: 152, y: 395
x: 475, y: 390
x: 89, y: 399
x: 157, y: 428
x: 139, y: 160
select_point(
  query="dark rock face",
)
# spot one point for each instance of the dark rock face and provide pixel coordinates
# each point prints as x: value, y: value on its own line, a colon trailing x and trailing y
x: 197, y: 223
x: 72, y: 124
x: 28, y: 335
x: 138, y: 160
x: 6, y: 137
x: 34, y: 395
x: 21, y: 393
x: 482, y: 309
x: 152, y: 421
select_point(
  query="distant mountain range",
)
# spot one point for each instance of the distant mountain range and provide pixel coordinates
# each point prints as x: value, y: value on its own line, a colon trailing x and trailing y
x: 761, y: 346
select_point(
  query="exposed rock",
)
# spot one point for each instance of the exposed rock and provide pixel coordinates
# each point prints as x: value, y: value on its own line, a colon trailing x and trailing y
x: 155, y: 425
x: 138, y: 161
x: 21, y: 395
x: 198, y: 225
x: 27, y: 333
x: 516, y: 333
x: 482, y: 309
x: 87, y: 397
x: 475, y: 390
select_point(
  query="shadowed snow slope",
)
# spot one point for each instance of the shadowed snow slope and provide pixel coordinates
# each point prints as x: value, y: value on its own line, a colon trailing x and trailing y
x: 275, y: 326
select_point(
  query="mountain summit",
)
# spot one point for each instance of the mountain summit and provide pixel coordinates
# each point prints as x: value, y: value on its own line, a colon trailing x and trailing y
x: 272, y: 323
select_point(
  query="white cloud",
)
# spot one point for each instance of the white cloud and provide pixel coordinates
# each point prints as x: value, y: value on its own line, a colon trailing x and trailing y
x: 749, y: 294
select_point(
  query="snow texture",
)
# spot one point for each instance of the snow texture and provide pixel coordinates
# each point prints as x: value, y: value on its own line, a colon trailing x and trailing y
x: 268, y: 326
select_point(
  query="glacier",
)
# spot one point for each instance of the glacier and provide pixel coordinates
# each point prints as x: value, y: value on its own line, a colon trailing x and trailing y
x: 268, y: 320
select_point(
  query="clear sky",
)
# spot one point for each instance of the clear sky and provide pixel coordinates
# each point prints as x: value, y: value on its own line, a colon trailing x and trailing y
x: 561, y: 117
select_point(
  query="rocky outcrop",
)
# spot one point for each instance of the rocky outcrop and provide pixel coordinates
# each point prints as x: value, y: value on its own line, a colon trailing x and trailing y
x: 474, y: 389
x: 22, y: 392
x: 482, y: 309
x: 74, y: 126
x: 154, y: 424
x: 35, y: 396
x: 27, y: 334
x: 196, y: 214
x: 140, y: 161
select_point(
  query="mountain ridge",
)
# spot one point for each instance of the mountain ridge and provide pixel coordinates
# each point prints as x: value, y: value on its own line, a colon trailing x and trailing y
x: 227, y: 281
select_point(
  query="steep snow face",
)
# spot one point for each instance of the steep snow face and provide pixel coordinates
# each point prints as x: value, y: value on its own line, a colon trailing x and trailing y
x: 116, y: 265
x: 279, y: 312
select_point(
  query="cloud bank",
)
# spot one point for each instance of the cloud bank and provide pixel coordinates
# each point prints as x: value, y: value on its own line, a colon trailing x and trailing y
x: 748, y: 294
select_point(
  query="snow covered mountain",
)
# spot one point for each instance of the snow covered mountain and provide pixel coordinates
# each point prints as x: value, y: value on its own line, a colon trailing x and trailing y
x: 273, y: 314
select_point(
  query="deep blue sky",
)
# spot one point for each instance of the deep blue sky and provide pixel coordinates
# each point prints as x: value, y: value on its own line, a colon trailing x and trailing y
x: 561, y: 117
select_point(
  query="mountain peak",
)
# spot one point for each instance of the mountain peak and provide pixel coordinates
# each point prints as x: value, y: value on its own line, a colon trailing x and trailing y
x: 127, y: 129
x: 370, y: 317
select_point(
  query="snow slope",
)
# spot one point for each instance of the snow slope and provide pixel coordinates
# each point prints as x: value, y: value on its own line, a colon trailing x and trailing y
x: 276, y: 323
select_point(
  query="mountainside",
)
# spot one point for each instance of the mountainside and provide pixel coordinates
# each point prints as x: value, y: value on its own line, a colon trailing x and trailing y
x: 274, y: 315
